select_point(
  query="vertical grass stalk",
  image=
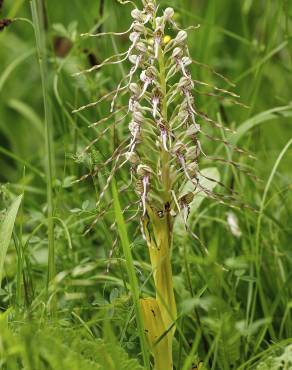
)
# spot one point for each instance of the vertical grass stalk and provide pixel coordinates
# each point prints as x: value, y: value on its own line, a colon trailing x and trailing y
x: 39, y: 29
x: 134, y: 287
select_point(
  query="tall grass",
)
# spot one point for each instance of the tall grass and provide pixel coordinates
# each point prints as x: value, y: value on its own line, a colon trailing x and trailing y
x: 131, y: 273
x: 38, y: 11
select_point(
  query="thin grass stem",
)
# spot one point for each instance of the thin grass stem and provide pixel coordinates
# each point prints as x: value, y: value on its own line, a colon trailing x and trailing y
x: 131, y: 272
x: 39, y: 28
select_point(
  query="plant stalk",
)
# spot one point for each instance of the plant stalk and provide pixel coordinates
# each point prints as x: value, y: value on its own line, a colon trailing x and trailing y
x: 39, y: 28
x: 163, y: 254
x: 160, y: 244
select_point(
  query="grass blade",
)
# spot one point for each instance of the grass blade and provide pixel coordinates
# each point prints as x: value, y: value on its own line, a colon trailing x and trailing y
x: 274, y: 113
x: 258, y: 246
x: 38, y: 21
x: 6, y: 229
x: 131, y: 272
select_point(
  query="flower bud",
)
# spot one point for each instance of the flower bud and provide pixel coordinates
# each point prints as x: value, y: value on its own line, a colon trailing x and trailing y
x: 133, y: 58
x: 138, y: 15
x: 143, y: 170
x: 138, y: 117
x: 140, y: 46
x: 178, y: 147
x: 186, y: 61
x: 150, y: 8
x: 134, y: 36
x: 177, y: 53
x: 186, y: 83
x: 181, y: 37
x: 192, y: 169
x: 186, y: 199
x: 148, y: 75
x: 134, y: 128
x: 183, y: 114
x: 168, y: 13
x: 138, y: 27
x: 160, y: 22
x: 193, y: 153
x: 135, y: 89
x: 193, y: 130
x: 132, y: 157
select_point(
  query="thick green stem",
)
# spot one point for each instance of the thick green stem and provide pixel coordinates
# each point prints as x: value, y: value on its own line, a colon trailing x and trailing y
x: 155, y: 329
x: 160, y: 256
x: 165, y: 156
x: 163, y: 254
x: 160, y: 242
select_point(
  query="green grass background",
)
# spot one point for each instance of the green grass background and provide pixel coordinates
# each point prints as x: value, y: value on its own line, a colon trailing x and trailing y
x: 230, y: 319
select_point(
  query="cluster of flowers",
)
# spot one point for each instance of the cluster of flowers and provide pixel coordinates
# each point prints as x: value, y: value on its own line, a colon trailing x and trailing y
x: 164, y: 146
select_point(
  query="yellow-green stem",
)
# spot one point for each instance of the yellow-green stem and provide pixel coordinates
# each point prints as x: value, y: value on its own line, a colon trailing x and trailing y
x: 163, y: 255
x: 160, y: 257
x: 161, y: 242
x: 155, y: 329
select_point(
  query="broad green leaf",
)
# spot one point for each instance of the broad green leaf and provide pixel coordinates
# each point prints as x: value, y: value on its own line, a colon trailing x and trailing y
x: 6, y: 229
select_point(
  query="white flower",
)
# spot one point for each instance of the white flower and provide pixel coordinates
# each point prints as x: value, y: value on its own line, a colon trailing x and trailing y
x: 233, y: 224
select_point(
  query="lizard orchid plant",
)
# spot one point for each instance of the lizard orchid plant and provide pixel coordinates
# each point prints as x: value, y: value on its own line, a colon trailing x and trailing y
x: 163, y: 149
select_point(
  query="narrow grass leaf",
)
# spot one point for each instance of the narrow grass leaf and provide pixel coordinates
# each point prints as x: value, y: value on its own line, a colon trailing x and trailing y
x: 28, y: 113
x: 12, y: 66
x: 131, y: 271
x: 258, y: 248
x: 278, y: 112
x: 6, y: 229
